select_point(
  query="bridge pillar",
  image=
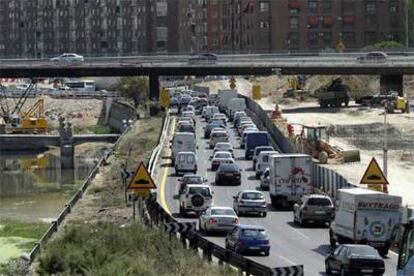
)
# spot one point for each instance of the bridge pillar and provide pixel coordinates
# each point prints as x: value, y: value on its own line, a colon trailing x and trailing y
x: 67, y: 147
x: 154, y: 86
x: 392, y: 82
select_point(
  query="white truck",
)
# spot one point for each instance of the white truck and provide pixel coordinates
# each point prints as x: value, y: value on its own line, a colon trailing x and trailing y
x: 224, y: 97
x: 290, y: 178
x: 367, y: 217
x: 235, y: 104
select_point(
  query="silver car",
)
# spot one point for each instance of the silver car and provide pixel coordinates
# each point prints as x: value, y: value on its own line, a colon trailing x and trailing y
x: 250, y: 201
x: 218, y: 219
x: 221, y: 157
x: 68, y: 58
x: 223, y: 147
x: 315, y: 208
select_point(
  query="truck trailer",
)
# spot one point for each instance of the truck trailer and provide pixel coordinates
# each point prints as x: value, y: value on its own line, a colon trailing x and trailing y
x: 364, y: 216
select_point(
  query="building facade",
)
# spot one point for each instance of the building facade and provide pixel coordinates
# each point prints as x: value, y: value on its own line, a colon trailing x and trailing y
x: 322, y: 24
x: 44, y: 28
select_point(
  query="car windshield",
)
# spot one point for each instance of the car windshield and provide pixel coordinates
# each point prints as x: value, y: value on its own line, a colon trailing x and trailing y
x: 362, y: 250
x: 193, y: 179
x: 228, y: 167
x: 252, y: 195
x: 226, y: 212
x: 319, y: 202
x: 253, y: 234
x: 265, y: 158
x: 222, y: 155
x: 204, y: 191
x: 219, y: 134
x: 223, y: 146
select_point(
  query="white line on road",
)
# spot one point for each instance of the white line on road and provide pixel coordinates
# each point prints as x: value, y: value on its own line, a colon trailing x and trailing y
x: 287, y: 260
x: 300, y: 233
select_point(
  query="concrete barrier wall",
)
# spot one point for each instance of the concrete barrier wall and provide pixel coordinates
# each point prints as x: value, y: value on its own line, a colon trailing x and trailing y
x: 113, y: 113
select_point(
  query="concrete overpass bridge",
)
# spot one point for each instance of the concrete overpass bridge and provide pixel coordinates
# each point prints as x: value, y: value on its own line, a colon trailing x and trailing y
x: 390, y: 71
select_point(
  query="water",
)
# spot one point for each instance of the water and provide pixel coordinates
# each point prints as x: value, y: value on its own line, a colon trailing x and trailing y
x: 33, y: 187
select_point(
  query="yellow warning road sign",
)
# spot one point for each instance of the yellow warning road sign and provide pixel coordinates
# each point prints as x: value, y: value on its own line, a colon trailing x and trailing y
x: 375, y: 187
x: 374, y: 174
x: 141, y: 179
x: 142, y: 193
x: 256, y: 92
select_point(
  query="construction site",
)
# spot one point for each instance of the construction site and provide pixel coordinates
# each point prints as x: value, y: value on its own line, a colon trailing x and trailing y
x: 339, y: 132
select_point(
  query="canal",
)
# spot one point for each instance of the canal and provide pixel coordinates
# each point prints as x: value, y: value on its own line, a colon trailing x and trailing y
x: 33, y: 191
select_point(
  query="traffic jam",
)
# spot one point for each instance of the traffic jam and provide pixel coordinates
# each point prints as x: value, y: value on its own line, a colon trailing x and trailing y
x: 360, y: 231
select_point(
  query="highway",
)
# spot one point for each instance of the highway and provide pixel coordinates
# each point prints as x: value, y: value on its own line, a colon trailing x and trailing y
x: 290, y: 244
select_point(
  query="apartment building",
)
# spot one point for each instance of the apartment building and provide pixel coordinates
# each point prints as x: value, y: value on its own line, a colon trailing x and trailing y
x: 43, y: 28
x: 321, y: 24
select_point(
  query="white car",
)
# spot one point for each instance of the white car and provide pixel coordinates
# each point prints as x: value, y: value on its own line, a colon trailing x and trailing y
x: 190, y: 114
x: 221, y: 117
x: 218, y: 219
x: 221, y: 157
x: 224, y: 147
x: 195, y: 198
x: 68, y: 57
x: 250, y: 201
x: 216, y: 137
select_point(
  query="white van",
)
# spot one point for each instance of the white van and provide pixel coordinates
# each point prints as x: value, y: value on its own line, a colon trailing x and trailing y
x: 182, y: 141
x: 236, y: 104
x: 185, y: 161
x: 262, y: 162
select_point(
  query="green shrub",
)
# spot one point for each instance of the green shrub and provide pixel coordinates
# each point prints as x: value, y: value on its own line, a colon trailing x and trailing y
x: 106, y: 249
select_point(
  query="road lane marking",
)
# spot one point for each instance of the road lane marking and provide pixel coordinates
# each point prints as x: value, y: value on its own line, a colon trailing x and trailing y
x: 287, y: 260
x: 164, y: 203
x: 300, y: 233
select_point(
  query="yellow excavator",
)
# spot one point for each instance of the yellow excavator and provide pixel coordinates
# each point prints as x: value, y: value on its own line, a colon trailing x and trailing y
x: 314, y: 140
x: 17, y: 121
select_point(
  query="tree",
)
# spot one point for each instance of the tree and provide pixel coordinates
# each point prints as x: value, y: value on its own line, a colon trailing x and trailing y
x: 134, y: 88
x: 384, y: 45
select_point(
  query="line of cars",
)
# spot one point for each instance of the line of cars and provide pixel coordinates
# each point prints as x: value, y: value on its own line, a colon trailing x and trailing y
x: 289, y: 177
x: 195, y: 194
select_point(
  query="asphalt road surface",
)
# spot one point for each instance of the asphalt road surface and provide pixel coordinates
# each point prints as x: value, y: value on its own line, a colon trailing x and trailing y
x: 290, y: 244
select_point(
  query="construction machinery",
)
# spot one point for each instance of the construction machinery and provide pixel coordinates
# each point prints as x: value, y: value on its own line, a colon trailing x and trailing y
x: 15, y: 120
x: 296, y: 87
x: 390, y: 99
x: 397, y: 103
x: 314, y: 140
x: 333, y: 95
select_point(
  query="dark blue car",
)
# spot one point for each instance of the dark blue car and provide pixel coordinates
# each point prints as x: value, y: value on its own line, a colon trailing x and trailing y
x: 248, y: 238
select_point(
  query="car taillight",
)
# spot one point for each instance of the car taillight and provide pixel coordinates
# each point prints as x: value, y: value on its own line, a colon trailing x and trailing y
x: 236, y: 221
x: 212, y: 221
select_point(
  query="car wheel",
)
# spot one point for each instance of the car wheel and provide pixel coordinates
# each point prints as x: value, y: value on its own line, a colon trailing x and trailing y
x: 328, y: 269
x: 343, y: 271
x: 266, y: 252
x: 182, y: 212
x: 332, y: 241
x: 264, y: 214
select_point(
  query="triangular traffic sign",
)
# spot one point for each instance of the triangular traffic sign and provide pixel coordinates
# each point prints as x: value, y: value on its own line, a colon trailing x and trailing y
x: 374, y: 174
x: 141, y: 179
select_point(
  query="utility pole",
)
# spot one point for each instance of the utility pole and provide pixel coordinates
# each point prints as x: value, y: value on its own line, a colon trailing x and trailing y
x: 407, y: 6
x: 35, y: 31
x: 385, y: 148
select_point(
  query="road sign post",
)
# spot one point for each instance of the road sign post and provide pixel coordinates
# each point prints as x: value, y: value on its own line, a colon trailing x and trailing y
x: 141, y: 183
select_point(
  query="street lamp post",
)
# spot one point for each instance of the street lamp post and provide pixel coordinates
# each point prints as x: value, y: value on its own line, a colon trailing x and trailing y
x: 385, y: 148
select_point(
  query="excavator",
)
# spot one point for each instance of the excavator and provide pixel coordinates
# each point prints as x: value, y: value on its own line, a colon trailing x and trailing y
x: 14, y: 120
x: 296, y: 87
x: 314, y: 140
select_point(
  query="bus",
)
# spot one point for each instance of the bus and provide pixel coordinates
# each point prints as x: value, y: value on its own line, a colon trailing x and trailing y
x: 81, y: 85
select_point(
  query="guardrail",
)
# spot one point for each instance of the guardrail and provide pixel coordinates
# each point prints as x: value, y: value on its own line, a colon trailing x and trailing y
x: 71, y: 203
x: 63, y: 94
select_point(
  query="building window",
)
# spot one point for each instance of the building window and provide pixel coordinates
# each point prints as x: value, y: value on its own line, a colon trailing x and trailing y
x: 371, y: 8
x: 294, y: 23
x: 313, y: 39
x: 393, y: 6
x: 264, y: 25
x: 292, y: 40
x: 370, y: 20
x: 264, y: 6
x: 348, y: 38
x: 313, y: 6
x: 327, y: 38
x: 326, y: 6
